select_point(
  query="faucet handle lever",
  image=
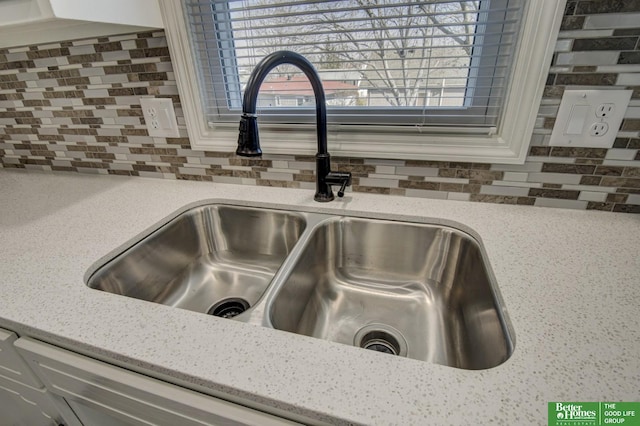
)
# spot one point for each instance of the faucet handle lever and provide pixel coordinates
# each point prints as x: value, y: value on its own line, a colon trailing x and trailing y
x: 342, y: 187
x: 339, y: 178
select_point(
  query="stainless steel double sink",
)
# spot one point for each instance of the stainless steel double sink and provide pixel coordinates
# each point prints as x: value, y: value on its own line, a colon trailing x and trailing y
x: 417, y: 290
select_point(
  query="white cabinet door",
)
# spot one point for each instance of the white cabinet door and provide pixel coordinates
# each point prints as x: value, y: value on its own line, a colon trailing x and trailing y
x: 23, y: 397
x: 11, y: 365
x: 101, y: 391
x: 22, y: 405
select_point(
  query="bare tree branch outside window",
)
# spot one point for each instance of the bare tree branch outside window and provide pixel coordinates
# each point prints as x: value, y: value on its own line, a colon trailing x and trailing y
x: 399, y: 53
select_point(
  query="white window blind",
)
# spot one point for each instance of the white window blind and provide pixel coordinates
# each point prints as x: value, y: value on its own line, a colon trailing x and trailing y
x: 442, y: 64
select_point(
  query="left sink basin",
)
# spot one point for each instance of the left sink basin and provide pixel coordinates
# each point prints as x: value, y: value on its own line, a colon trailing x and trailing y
x: 216, y: 259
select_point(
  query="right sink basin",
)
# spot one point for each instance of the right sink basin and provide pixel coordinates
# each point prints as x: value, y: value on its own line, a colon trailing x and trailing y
x: 415, y: 290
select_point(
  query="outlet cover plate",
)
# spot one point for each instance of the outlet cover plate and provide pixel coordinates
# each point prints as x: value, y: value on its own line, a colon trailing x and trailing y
x: 580, y: 113
x: 160, y: 117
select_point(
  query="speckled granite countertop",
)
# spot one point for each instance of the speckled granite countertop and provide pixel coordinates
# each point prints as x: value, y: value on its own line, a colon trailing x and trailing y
x: 570, y: 281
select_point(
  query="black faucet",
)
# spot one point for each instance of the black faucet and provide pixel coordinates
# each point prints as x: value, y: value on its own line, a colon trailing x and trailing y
x: 249, y: 141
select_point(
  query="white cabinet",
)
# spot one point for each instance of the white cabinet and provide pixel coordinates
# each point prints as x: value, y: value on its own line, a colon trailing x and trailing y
x: 11, y: 365
x: 22, y: 405
x: 25, y: 22
x: 23, y: 397
x: 43, y: 385
x: 102, y: 394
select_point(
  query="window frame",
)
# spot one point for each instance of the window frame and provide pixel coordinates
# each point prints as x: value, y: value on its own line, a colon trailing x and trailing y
x: 473, y: 110
x: 505, y: 144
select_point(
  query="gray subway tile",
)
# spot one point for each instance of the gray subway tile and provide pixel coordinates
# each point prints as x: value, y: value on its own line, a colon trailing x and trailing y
x: 85, y: 42
x: 628, y: 79
x: 48, y: 82
x: 121, y: 166
x: 587, y: 58
x: 127, y: 100
x: 46, y: 62
x: 193, y: 171
x: 619, y: 68
x: 122, y: 37
x: 215, y: 161
x: 621, y: 163
x: 564, y: 204
x: 81, y: 49
x: 125, y: 121
x: 393, y: 176
x: 417, y: 171
x: 10, y: 104
x: 515, y: 176
x: 633, y: 199
x: 96, y: 93
x: 527, y: 167
x: 620, y: 154
x: 120, y: 55
x: 559, y: 160
x: 517, y: 184
x: 230, y: 179
x: 91, y: 72
x: 151, y: 174
x: 301, y: 165
x: 138, y: 139
x: 612, y: 20
x: 17, y: 56
x: 156, y: 42
x: 28, y: 76
x: 458, y: 196
x: 563, y: 45
x: 598, y: 197
x: 584, y: 34
x: 420, y: 193
x: 113, y: 78
x: 380, y: 183
x: 276, y: 176
x: 504, y: 190
x: 559, y: 178
x: 128, y: 44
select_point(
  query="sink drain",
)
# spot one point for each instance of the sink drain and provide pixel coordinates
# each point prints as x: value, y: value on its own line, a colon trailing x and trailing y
x: 229, y: 308
x: 380, y: 341
x: 381, y: 338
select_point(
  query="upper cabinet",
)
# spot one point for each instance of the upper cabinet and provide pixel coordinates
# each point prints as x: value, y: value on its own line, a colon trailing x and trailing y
x: 26, y: 22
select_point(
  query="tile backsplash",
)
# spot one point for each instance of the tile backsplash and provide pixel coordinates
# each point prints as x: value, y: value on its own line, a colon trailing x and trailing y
x: 75, y: 106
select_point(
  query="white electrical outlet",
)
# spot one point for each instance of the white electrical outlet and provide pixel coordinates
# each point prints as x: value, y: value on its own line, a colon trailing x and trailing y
x: 599, y: 129
x: 589, y: 118
x: 605, y: 110
x: 160, y: 117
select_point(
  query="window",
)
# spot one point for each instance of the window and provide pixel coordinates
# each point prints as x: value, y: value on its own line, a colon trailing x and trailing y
x: 403, y: 78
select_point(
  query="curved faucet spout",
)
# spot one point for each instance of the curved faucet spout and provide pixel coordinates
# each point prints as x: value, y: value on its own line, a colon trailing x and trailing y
x: 248, y: 138
x: 285, y: 57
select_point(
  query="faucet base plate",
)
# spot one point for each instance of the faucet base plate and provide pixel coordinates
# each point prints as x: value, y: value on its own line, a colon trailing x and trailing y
x: 324, y: 198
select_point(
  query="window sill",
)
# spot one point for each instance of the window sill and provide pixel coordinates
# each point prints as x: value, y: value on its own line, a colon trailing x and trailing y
x: 364, y: 143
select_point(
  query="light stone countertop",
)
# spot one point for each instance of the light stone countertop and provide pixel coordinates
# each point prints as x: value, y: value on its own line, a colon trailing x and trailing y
x: 570, y: 281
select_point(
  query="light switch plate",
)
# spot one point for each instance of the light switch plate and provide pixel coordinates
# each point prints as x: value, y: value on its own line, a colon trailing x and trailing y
x: 589, y: 118
x: 160, y: 117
